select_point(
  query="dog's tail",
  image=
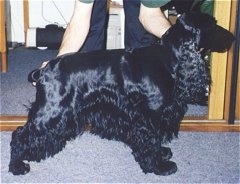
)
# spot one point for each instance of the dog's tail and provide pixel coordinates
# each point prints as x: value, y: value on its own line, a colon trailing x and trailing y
x: 34, y: 75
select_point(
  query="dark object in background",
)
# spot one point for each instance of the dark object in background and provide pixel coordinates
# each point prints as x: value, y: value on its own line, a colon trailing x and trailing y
x: 50, y: 36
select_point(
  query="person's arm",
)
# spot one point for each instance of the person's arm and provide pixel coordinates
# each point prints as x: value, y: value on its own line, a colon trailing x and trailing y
x: 154, y: 20
x: 78, y: 28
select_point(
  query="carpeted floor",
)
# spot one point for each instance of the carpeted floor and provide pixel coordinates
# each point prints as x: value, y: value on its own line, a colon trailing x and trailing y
x: 201, y: 158
x: 16, y: 91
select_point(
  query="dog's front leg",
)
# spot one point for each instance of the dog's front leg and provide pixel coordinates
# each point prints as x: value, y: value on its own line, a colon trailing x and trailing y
x: 152, y: 161
x: 147, y: 148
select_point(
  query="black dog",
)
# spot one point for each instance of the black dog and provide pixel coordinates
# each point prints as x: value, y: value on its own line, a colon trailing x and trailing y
x: 138, y: 97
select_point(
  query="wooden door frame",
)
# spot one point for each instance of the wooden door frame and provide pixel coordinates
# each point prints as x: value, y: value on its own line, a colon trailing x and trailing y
x: 234, y: 11
x: 3, y: 49
x: 25, y: 17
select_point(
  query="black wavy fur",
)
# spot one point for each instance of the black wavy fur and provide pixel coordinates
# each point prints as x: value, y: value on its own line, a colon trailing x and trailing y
x: 138, y: 97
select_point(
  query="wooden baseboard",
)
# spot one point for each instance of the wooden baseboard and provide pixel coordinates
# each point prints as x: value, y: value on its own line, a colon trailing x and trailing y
x: 10, y: 123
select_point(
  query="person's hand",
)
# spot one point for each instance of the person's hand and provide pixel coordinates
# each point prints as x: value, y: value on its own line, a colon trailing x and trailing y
x: 42, y: 66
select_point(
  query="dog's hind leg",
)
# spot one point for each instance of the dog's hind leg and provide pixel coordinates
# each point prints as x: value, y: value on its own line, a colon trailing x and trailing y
x: 19, y: 143
x: 40, y: 138
x: 51, y: 123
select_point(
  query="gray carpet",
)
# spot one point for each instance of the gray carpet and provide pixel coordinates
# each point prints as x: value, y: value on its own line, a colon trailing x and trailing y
x: 201, y: 158
x: 16, y: 92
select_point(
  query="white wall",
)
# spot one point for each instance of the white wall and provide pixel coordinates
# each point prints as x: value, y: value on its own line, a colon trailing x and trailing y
x: 41, y: 13
x: 44, y: 12
x: 15, y: 25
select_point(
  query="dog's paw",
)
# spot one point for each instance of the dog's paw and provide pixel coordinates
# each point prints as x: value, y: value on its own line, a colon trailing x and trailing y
x: 165, y: 168
x: 165, y: 153
x: 19, y: 168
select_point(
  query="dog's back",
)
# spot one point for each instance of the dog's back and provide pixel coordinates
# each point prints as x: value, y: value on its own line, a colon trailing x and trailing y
x: 123, y: 66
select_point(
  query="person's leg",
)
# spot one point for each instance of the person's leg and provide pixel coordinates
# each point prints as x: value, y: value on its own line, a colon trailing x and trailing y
x: 96, y: 39
x: 135, y: 34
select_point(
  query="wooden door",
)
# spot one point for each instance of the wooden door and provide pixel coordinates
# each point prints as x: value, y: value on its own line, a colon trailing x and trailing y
x: 3, y: 37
